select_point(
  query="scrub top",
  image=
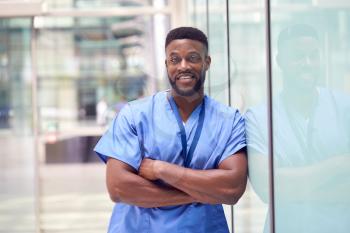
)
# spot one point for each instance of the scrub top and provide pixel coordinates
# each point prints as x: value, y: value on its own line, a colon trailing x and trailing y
x: 147, y: 128
x: 301, y: 143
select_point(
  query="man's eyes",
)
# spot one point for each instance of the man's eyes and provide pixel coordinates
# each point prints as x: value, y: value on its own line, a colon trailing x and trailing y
x: 175, y: 60
x: 191, y: 58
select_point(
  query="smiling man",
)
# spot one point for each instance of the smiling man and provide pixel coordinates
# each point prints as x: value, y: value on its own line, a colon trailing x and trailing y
x: 173, y: 158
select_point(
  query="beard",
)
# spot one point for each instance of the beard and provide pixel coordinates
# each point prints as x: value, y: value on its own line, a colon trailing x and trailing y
x: 188, y: 92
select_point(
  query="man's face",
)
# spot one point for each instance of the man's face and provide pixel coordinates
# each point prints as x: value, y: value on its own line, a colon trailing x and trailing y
x: 186, y: 62
x: 299, y: 60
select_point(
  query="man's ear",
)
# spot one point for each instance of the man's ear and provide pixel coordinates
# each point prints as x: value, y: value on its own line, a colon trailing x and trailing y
x: 207, y: 62
x: 166, y: 64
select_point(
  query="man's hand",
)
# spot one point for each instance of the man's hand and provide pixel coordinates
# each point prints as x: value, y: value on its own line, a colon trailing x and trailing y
x: 148, y: 169
x: 124, y: 185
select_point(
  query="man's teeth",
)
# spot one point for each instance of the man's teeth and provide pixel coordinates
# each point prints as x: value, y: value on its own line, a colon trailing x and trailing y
x: 185, y: 77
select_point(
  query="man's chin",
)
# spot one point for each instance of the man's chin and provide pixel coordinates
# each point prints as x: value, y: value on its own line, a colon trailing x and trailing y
x: 185, y: 92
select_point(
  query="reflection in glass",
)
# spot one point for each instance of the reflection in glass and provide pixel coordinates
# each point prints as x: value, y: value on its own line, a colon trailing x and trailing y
x: 311, y: 137
x: 248, y: 87
x: 217, y: 33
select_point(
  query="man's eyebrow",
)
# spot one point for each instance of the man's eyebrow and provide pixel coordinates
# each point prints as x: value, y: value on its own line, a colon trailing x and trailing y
x: 193, y: 52
x: 189, y: 52
x: 173, y: 53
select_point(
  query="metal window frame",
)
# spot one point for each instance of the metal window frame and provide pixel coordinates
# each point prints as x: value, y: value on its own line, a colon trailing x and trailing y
x: 227, y: 5
x: 270, y: 117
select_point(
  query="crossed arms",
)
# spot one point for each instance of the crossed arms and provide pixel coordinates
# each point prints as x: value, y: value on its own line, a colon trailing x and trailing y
x: 224, y: 185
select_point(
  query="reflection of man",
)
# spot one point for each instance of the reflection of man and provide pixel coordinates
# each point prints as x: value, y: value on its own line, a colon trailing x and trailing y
x: 175, y: 157
x: 311, y: 142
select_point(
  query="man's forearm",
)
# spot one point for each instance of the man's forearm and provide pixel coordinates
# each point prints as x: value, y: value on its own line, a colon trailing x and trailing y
x: 217, y: 186
x: 135, y: 190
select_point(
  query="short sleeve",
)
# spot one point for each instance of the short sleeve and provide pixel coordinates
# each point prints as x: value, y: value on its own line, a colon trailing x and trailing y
x: 237, y: 138
x: 121, y: 141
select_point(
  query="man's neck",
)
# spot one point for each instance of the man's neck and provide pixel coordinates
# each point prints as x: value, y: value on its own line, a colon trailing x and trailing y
x: 186, y: 104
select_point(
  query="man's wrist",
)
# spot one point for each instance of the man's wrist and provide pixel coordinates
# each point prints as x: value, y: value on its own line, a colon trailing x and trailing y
x: 158, y: 166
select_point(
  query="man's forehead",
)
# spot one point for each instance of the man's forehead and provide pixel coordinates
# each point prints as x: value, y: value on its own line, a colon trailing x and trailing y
x: 187, y: 44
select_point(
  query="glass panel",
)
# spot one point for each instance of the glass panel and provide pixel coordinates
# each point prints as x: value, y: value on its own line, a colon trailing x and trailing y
x: 17, y: 193
x: 87, y: 69
x: 311, y: 115
x: 198, y: 11
x: 216, y: 82
x: 249, y: 93
x: 198, y: 18
x: 218, y: 72
x: 94, y: 63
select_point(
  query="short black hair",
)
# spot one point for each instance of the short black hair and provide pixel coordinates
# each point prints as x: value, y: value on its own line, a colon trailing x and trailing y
x: 186, y: 33
x: 295, y: 31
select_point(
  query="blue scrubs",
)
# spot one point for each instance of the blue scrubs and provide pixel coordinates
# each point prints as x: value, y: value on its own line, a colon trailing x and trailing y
x: 147, y: 128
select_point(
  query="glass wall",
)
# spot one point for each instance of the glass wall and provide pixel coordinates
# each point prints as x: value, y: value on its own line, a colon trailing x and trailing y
x: 248, y: 93
x: 311, y: 102
x: 86, y: 67
x: 218, y: 47
x: 310, y: 108
x: 93, y: 63
x: 17, y: 158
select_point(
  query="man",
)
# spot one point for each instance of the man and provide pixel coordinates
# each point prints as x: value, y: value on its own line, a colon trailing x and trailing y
x: 311, y: 142
x: 175, y: 157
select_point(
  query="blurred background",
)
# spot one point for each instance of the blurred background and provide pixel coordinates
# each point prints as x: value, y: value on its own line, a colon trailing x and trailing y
x: 68, y: 66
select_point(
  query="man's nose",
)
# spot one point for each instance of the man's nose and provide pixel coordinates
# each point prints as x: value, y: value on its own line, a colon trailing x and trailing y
x: 184, y: 64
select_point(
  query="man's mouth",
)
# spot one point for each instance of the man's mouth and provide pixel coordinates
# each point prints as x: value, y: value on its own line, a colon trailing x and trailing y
x: 185, y: 77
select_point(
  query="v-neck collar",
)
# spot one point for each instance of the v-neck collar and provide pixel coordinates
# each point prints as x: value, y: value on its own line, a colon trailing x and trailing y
x: 192, y: 120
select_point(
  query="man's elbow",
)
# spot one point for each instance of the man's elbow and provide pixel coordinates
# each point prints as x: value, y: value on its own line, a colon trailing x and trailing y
x: 119, y: 190
x: 115, y: 194
x: 233, y: 195
x: 114, y: 198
